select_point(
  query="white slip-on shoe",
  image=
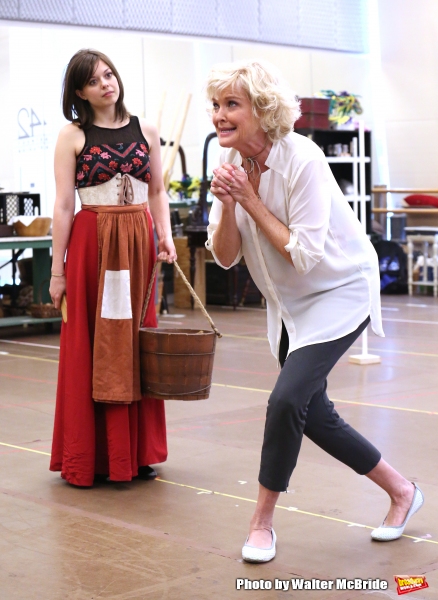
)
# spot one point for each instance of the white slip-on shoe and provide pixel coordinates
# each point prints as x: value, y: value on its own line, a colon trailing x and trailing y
x: 259, y: 555
x: 387, y: 533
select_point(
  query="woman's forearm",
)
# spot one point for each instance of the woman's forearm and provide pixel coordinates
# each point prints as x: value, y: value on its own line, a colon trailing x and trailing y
x: 227, y: 240
x: 62, y: 222
x: 234, y: 184
x: 274, y: 230
x: 159, y: 206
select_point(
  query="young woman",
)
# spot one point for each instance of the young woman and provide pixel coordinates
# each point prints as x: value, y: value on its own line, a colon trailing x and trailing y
x: 104, y: 428
x: 278, y: 204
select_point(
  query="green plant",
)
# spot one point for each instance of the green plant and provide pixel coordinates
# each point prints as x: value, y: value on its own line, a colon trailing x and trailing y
x: 342, y: 105
x: 186, y: 187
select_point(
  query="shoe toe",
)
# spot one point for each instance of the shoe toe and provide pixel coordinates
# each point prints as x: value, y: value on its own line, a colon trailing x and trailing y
x: 388, y: 534
x: 146, y: 473
x: 259, y: 555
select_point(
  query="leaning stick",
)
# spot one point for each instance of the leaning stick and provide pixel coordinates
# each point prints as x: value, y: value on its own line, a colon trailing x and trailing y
x: 169, y: 139
x: 174, y: 151
x: 160, y: 112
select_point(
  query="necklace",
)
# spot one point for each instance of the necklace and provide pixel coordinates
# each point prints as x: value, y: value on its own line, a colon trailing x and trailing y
x: 252, y: 162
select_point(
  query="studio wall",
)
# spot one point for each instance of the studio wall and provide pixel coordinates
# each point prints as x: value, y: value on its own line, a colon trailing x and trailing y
x: 400, y: 103
x: 409, y: 53
x: 33, y: 59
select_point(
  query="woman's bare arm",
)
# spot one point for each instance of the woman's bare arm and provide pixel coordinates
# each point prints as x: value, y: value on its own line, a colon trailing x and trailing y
x: 70, y: 142
x: 158, y: 199
x: 227, y: 239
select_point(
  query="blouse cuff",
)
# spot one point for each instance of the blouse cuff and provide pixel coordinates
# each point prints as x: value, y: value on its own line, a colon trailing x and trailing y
x: 210, y: 247
x: 303, y: 259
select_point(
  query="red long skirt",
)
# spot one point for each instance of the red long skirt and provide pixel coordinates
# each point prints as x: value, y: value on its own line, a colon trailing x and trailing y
x: 96, y: 438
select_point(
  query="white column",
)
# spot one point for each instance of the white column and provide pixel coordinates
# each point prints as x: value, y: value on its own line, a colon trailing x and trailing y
x: 364, y: 358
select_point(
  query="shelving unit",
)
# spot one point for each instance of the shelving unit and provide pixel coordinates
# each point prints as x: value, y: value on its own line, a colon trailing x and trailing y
x: 346, y: 159
x: 341, y: 166
x: 41, y: 261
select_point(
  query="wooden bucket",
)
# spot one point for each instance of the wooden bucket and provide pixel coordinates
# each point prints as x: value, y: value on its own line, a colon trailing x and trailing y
x: 177, y: 364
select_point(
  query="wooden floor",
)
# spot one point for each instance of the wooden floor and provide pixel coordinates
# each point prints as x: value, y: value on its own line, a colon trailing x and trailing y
x: 180, y: 537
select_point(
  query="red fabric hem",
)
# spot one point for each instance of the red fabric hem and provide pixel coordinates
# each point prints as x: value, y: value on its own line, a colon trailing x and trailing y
x: 95, y: 438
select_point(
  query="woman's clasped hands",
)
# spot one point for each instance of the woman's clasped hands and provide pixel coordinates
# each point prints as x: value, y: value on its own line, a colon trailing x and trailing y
x: 230, y: 184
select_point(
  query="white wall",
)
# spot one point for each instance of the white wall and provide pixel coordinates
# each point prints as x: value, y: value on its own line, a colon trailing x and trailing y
x: 33, y: 58
x: 409, y: 49
x: 6, y: 125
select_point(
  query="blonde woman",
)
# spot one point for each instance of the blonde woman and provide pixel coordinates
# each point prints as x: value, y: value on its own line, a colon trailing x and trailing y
x: 278, y: 205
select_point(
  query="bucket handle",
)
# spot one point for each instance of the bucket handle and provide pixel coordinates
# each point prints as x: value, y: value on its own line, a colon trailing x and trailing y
x: 191, y: 290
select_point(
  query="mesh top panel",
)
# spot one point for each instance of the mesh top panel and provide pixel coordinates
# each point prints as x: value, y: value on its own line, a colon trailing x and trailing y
x: 9, y: 9
x: 91, y: 12
x: 282, y: 30
x: 238, y: 19
x: 149, y: 15
x: 195, y: 17
x: 50, y: 11
x: 330, y: 24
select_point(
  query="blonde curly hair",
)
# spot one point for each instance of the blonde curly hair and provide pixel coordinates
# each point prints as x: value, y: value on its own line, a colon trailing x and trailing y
x: 272, y: 101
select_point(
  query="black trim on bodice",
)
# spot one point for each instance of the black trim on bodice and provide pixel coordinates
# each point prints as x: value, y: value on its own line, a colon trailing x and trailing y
x: 110, y: 151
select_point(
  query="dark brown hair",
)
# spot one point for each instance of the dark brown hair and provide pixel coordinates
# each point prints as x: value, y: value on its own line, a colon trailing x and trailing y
x: 79, y: 71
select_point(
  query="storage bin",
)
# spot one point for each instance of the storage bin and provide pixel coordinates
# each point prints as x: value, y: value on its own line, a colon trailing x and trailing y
x: 314, y: 114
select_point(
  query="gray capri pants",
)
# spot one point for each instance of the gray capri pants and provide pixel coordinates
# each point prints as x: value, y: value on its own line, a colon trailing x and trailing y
x: 299, y: 405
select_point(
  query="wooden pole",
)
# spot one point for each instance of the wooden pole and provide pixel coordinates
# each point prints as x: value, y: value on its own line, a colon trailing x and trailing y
x: 160, y: 112
x: 170, y: 136
x: 167, y: 168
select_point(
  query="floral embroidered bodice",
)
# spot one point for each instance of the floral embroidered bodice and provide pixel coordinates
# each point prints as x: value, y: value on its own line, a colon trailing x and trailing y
x: 110, y: 151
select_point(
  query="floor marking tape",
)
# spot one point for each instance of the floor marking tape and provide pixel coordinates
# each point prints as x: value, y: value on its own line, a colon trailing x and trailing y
x: 414, y: 410
x: 295, y: 510
x: 401, y: 352
x: 411, y: 321
x: 420, y: 305
x: 29, y: 344
x: 22, y: 378
x: 51, y: 360
x: 248, y: 389
x: 223, y: 495
x: 23, y: 448
x: 388, y: 351
x: 244, y: 337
